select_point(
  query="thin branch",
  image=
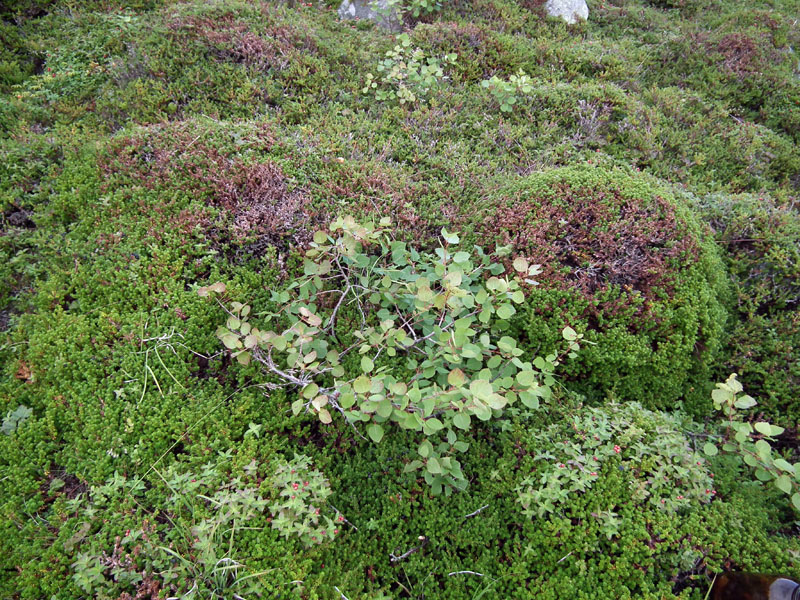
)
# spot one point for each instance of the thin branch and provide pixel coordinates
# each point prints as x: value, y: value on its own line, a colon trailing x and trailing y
x: 472, y: 514
x: 332, y: 319
x: 340, y: 593
x: 343, y: 517
x: 395, y: 559
x: 465, y: 573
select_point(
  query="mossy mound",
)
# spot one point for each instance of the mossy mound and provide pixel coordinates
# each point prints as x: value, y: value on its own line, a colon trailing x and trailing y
x: 624, y: 261
x: 760, y: 234
x: 744, y: 58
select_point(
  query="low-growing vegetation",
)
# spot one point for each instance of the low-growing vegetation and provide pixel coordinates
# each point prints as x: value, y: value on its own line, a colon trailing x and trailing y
x: 493, y: 306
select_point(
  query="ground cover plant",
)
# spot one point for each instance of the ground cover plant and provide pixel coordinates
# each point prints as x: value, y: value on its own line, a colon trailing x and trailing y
x: 271, y: 327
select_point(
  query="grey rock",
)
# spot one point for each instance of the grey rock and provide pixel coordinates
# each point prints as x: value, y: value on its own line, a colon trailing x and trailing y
x: 569, y: 10
x: 380, y: 11
x: 782, y: 589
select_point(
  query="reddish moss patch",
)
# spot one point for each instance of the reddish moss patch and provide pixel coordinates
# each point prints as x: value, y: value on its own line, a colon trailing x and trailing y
x: 262, y: 203
x: 487, y: 55
x: 169, y: 156
x: 740, y: 53
x: 257, y: 196
x: 590, y: 240
x: 372, y: 189
x: 230, y: 39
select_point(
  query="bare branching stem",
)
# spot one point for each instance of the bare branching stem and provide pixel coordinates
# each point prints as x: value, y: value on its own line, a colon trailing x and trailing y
x: 477, y: 512
x: 408, y: 553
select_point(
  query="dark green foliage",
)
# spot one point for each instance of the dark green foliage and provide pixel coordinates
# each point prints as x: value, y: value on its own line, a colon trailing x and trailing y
x: 626, y: 262
x: 148, y: 148
x: 760, y: 234
x: 742, y: 57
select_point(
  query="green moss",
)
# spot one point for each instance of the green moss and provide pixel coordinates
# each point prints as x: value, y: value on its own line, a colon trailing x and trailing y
x: 175, y: 144
x: 625, y: 261
x: 760, y: 235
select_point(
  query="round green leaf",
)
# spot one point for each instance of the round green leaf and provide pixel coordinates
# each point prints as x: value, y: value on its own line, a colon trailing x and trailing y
x: 375, y: 432
x: 279, y: 342
x: 763, y: 428
x: 425, y: 449
x: 481, y: 388
x: 456, y: 378
x: 434, y: 424
x: 526, y: 378
x: 505, y: 311
x: 366, y: 364
x: 784, y: 484
x: 461, y: 420
x: 529, y: 400
x: 347, y: 400
x: 710, y: 449
x: 362, y: 385
x: 434, y: 466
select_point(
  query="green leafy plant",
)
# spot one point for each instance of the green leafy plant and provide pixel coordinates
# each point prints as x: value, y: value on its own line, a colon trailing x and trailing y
x: 426, y: 333
x: 416, y: 8
x: 303, y: 495
x: 206, y: 515
x: 406, y: 75
x: 664, y: 471
x: 15, y: 418
x: 751, y: 442
x: 507, y: 93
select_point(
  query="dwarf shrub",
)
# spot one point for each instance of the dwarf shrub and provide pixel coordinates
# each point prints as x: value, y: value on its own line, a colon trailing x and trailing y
x: 196, y: 553
x: 303, y: 492
x: 506, y: 92
x: 751, y: 443
x: 406, y: 75
x: 623, y: 260
x: 656, y: 456
x: 429, y: 331
x: 759, y: 235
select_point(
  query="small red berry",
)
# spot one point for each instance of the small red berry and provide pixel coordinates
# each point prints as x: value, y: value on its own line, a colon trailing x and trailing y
x: 617, y: 449
x: 341, y: 518
x: 294, y: 486
x: 335, y: 532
